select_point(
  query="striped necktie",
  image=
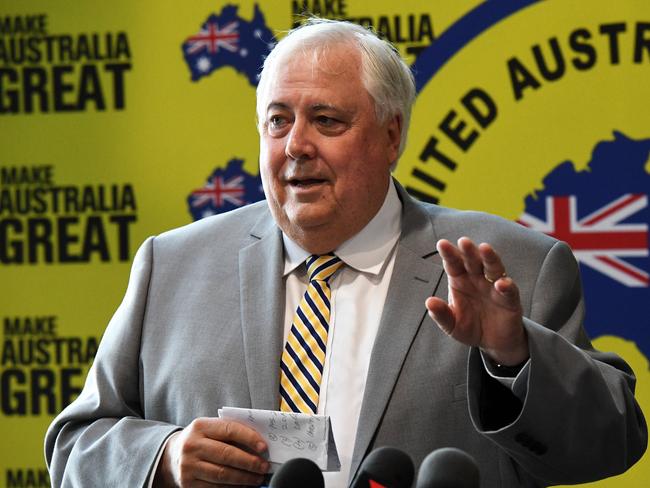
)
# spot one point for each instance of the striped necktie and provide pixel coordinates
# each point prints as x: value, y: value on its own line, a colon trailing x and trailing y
x: 304, y: 353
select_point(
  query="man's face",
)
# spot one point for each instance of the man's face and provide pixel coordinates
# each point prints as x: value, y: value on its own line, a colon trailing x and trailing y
x: 325, y: 160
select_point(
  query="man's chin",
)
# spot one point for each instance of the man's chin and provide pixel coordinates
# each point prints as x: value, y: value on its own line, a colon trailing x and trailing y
x: 310, y: 220
x: 311, y: 217
x: 312, y: 194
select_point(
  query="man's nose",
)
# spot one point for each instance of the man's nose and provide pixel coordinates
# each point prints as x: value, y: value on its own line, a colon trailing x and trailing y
x: 300, y: 144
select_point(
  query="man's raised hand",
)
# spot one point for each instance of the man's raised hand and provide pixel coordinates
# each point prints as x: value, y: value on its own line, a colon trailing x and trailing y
x: 484, y: 308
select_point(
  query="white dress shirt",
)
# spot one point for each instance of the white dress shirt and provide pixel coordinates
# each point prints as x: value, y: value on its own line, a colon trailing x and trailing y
x: 358, y: 294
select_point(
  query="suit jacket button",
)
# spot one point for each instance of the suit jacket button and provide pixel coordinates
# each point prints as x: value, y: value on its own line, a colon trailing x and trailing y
x: 524, y: 439
x: 539, y: 448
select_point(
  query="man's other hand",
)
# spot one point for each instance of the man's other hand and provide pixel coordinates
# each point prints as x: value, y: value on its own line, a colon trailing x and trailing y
x: 213, y: 452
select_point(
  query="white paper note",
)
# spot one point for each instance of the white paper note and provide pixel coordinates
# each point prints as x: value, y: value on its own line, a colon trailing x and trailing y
x: 291, y: 435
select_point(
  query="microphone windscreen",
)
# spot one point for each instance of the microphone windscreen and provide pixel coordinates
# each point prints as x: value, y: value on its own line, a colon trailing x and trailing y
x: 298, y: 473
x: 387, y: 467
x: 448, y: 468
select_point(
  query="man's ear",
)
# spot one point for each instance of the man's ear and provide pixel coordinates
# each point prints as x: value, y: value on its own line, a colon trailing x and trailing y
x: 394, y: 132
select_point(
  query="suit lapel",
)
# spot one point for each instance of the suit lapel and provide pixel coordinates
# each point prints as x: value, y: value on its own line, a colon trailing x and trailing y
x: 416, y: 276
x: 262, y: 311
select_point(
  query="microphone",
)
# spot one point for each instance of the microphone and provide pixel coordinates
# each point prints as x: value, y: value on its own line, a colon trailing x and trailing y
x: 298, y: 473
x: 385, y: 467
x: 448, y: 468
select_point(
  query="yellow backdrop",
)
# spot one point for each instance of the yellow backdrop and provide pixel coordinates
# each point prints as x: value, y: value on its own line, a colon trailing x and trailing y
x: 104, y: 136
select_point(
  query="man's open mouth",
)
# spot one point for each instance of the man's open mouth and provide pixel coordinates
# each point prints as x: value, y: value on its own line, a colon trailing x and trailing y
x: 306, y: 182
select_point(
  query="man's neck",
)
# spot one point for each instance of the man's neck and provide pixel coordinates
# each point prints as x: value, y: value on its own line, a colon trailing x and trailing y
x: 329, y: 236
x: 378, y: 236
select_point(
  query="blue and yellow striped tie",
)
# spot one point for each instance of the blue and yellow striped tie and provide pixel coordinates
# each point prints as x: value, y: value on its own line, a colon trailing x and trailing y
x: 304, y: 353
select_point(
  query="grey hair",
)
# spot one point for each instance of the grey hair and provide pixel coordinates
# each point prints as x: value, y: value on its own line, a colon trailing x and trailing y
x: 384, y: 73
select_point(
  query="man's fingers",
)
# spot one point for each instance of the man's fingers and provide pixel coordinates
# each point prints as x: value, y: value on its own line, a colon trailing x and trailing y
x: 451, y: 258
x: 226, y: 475
x: 441, y: 313
x: 509, y: 291
x: 471, y: 259
x: 216, y: 450
x: 493, y: 268
x: 231, y: 432
x: 228, y: 455
x: 470, y: 255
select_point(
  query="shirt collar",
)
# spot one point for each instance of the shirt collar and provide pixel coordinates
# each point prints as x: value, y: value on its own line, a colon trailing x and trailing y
x: 368, y: 249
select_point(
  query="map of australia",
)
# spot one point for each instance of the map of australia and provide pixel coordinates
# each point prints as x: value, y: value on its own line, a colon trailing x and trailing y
x: 227, y: 40
x: 225, y: 189
x: 602, y: 213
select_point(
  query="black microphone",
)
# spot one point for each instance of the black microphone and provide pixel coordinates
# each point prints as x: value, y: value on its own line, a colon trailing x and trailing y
x: 448, y: 468
x: 298, y: 473
x: 385, y: 467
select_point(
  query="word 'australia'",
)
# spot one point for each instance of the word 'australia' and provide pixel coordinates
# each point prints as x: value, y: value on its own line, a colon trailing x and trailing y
x: 67, y: 199
x: 65, y: 48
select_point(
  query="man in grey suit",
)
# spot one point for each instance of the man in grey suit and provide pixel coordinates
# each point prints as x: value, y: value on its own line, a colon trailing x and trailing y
x: 434, y: 340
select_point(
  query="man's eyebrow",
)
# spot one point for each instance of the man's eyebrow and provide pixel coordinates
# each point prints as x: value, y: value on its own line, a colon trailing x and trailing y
x: 319, y: 107
x: 323, y: 106
x: 277, y: 106
x: 316, y: 107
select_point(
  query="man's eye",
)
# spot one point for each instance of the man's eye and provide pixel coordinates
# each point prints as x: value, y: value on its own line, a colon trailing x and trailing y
x: 326, y: 121
x: 276, y: 121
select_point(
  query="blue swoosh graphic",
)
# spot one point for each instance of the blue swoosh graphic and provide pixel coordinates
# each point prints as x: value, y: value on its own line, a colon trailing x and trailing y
x: 461, y: 33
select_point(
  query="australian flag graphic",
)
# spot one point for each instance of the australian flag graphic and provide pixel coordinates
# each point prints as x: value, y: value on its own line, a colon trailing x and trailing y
x: 226, y: 189
x: 602, y: 212
x: 225, y: 39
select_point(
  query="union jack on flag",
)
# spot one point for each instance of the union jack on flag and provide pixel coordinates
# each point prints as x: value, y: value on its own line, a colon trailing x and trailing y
x: 213, y: 37
x: 219, y: 190
x: 599, y: 240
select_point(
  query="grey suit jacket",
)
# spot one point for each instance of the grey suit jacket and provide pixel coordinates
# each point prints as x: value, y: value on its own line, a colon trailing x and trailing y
x: 201, y: 327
